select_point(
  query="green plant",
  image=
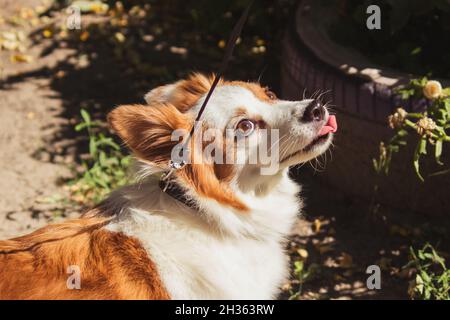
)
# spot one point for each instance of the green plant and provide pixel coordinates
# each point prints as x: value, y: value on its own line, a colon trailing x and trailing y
x: 430, y: 126
x: 302, y: 274
x: 105, y: 169
x: 432, y: 276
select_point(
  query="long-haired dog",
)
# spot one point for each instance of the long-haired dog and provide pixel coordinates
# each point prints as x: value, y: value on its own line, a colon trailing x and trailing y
x: 211, y: 229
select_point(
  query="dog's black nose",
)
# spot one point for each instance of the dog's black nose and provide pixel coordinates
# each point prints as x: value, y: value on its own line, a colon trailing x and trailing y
x: 315, y: 111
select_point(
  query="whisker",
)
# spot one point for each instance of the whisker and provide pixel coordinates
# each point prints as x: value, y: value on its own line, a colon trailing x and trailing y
x: 322, y: 94
x: 304, y: 93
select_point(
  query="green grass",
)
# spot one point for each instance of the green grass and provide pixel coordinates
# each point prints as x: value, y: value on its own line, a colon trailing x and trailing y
x: 105, y: 168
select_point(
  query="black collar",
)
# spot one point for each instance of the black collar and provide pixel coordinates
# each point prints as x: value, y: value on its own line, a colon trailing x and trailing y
x: 173, y: 189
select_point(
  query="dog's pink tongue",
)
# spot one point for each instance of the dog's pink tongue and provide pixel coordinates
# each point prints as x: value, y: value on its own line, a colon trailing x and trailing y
x: 331, y: 126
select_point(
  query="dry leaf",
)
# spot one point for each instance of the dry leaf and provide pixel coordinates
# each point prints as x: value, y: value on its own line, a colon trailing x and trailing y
x: 84, y: 35
x: 47, y: 33
x: 119, y: 37
x: 91, y: 6
x: 60, y: 74
x: 15, y: 58
x: 317, y: 225
x: 302, y: 253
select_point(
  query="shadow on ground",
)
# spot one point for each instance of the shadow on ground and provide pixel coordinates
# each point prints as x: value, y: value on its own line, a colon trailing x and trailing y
x: 116, y: 59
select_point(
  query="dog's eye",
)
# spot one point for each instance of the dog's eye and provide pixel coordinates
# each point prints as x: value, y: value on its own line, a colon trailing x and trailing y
x: 245, y: 127
x: 271, y: 95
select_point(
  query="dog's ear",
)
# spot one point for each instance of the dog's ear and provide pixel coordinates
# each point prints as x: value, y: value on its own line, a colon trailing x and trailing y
x: 161, y: 94
x: 147, y: 130
x: 183, y: 94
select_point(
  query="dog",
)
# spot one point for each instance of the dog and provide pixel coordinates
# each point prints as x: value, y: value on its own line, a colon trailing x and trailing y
x: 205, y: 230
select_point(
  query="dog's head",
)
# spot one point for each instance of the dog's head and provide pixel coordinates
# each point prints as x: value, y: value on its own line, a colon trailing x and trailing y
x: 246, y: 135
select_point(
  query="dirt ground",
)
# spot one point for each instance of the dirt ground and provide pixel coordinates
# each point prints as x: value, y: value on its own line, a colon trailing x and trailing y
x: 29, y: 114
x: 336, y: 238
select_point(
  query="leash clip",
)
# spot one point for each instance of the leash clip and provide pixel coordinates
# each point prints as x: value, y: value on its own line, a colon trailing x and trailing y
x: 165, y: 176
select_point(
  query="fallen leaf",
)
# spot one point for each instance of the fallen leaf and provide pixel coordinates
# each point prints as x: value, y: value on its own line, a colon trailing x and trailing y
x: 119, y: 37
x: 317, y: 225
x: 84, y: 36
x: 91, y: 6
x: 60, y: 74
x: 47, y: 33
x: 302, y: 253
x: 23, y: 58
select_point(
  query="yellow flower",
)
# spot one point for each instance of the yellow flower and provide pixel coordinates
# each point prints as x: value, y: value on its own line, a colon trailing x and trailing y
x: 433, y: 89
x: 396, y: 120
x: 425, y: 126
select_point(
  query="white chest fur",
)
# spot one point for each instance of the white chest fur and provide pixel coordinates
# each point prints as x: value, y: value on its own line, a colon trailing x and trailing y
x: 198, y: 265
x: 197, y: 261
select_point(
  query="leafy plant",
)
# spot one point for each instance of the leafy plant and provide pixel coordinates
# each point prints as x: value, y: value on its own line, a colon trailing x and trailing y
x: 106, y: 167
x: 432, y: 276
x: 430, y: 126
x: 302, y: 274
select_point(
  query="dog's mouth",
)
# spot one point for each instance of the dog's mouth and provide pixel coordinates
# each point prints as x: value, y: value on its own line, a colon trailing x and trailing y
x: 322, y: 137
x: 316, y: 142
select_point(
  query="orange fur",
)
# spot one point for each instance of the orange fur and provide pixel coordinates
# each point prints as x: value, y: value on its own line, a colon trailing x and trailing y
x: 147, y: 131
x: 112, y: 265
x: 187, y: 92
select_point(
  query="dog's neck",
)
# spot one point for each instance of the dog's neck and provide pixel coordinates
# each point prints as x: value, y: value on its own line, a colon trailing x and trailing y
x: 252, y: 181
x: 249, y: 181
x: 278, y: 203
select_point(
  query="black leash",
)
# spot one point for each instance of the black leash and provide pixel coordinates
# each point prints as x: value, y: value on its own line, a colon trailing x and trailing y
x: 237, y: 30
x: 172, y: 188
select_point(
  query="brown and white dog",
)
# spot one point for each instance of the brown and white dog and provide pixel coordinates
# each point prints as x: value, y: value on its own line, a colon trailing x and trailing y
x: 225, y: 240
